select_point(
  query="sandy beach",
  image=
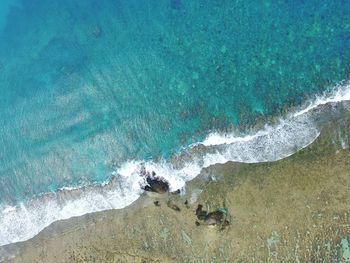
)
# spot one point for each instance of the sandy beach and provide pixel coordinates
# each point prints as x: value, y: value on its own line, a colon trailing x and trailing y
x: 293, y: 210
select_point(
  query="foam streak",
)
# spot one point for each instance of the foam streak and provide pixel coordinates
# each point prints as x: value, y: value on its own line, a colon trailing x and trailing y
x: 270, y: 144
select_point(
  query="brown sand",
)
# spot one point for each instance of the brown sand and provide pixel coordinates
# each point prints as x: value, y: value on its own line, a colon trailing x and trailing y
x: 293, y: 210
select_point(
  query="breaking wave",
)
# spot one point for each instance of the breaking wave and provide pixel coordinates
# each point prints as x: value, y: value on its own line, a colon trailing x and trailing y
x: 274, y: 142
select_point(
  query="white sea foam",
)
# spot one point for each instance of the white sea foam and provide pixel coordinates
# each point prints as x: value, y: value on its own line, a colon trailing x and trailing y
x: 272, y: 143
x: 217, y: 139
x: 339, y: 93
x: 25, y: 221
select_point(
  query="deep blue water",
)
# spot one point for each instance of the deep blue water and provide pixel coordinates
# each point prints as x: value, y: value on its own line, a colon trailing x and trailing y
x: 87, y: 85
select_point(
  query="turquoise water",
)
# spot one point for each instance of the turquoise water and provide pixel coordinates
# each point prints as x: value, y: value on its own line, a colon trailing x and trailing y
x: 88, y: 85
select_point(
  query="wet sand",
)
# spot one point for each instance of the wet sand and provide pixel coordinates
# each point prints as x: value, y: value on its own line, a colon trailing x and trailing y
x: 293, y: 210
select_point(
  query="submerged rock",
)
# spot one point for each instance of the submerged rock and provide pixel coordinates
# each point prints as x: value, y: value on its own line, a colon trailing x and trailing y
x: 173, y: 206
x: 217, y: 217
x: 200, y: 213
x: 214, y: 218
x: 175, y: 4
x: 96, y: 31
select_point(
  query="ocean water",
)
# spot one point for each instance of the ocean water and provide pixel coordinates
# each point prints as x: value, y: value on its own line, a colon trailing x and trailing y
x: 90, y: 89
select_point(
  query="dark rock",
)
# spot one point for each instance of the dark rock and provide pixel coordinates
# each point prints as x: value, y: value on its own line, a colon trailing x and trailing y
x: 214, y: 218
x: 177, y: 192
x: 201, y: 215
x: 217, y: 217
x: 173, y: 206
x: 156, y: 203
x: 154, y: 183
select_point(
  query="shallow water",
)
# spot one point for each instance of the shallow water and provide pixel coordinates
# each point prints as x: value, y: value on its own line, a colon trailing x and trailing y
x: 87, y: 86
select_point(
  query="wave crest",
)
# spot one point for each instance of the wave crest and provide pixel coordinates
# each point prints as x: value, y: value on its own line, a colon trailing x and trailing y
x: 272, y: 143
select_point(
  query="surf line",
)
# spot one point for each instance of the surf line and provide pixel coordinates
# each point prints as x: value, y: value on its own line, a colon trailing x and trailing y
x: 293, y: 133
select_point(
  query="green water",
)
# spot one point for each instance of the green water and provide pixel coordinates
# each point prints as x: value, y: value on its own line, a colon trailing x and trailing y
x: 87, y: 85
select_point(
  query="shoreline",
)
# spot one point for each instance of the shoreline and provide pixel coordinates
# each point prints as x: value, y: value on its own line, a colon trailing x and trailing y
x: 292, y: 209
x: 291, y: 134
